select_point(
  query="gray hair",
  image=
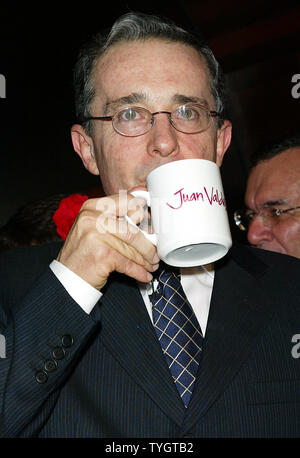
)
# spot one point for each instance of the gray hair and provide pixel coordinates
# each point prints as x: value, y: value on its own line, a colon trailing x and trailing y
x: 138, y: 27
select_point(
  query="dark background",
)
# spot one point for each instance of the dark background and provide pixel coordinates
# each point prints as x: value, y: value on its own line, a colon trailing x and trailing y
x: 257, y: 44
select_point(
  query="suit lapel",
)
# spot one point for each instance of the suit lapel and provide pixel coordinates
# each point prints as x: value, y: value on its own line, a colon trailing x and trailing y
x: 129, y: 335
x: 239, y: 311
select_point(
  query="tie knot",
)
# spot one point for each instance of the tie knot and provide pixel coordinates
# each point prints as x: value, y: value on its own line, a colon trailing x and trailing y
x: 164, y: 271
x: 168, y: 278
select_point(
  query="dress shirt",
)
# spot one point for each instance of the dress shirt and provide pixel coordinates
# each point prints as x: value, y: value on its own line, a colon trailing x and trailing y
x: 197, y: 283
x: 81, y: 291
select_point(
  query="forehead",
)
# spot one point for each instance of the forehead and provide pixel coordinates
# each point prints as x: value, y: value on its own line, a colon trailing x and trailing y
x: 155, y: 67
x: 278, y: 177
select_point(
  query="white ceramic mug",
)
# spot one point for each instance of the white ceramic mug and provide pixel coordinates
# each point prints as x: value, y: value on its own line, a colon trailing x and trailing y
x: 188, y: 212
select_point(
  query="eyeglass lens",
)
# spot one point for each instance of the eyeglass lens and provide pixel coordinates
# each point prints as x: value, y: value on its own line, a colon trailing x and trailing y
x: 270, y: 216
x: 135, y: 121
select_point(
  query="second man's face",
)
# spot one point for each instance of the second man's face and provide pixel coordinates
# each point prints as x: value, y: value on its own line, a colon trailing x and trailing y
x: 155, y: 75
x: 275, y: 183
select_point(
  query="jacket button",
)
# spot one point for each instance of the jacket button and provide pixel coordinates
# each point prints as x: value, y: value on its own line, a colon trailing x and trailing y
x: 50, y: 365
x: 67, y: 341
x: 58, y: 353
x: 41, y: 377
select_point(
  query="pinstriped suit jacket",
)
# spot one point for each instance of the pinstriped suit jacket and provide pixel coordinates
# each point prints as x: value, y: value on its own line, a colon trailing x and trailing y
x: 113, y: 381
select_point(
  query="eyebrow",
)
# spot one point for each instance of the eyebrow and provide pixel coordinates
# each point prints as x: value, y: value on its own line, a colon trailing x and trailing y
x: 131, y: 99
x: 141, y: 97
x: 183, y: 99
x: 271, y: 203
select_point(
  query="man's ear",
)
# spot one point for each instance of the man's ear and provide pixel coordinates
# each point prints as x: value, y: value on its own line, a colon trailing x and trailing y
x: 223, y: 140
x: 84, y: 147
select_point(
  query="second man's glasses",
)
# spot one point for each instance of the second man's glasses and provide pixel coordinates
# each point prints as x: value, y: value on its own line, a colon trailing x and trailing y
x: 270, y: 216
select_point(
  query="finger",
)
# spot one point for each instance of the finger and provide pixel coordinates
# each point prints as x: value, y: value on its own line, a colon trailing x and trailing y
x: 129, y: 235
x: 129, y: 252
x: 117, y: 204
x: 123, y: 265
x: 134, y: 270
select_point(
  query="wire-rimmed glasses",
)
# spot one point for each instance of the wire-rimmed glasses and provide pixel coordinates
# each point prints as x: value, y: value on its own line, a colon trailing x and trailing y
x: 135, y: 121
x: 270, y: 216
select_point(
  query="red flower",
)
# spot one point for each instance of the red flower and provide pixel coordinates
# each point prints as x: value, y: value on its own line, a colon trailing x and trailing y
x: 66, y: 213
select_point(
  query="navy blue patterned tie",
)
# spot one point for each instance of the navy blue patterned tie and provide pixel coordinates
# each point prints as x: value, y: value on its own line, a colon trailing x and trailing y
x: 178, y: 331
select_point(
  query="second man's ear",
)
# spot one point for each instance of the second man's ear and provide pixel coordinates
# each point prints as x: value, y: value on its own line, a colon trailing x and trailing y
x: 83, y: 145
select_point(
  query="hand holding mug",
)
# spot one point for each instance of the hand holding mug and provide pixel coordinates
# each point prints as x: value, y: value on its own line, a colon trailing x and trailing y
x: 101, y: 242
x: 188, y: 212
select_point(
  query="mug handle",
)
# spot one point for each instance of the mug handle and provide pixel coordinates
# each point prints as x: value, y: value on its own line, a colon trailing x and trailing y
x: 144, y: 195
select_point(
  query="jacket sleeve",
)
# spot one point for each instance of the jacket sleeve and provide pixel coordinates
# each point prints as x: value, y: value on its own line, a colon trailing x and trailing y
x: 44, y: 335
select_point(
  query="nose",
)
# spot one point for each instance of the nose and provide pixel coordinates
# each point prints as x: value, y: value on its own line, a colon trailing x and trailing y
x: 258, y: 232
x: 163, y: 137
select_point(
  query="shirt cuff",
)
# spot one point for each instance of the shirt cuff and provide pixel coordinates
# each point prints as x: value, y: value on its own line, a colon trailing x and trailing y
x: 82, y: 292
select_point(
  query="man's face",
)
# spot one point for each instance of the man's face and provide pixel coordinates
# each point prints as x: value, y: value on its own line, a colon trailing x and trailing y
x: 275, y: 183
x: 158, y: 76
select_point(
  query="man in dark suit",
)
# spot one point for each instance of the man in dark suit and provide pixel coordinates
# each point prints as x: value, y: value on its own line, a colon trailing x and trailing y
x: 82, y: 355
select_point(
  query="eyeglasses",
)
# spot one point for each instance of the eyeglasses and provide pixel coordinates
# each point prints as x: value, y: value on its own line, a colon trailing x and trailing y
x: 135, y: 121
x: 270, y: 216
